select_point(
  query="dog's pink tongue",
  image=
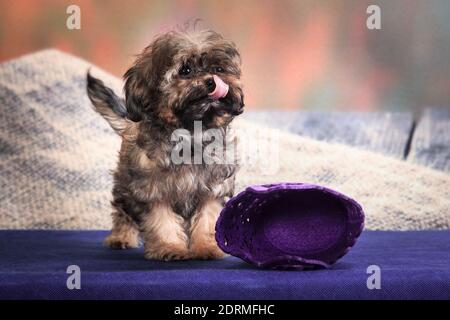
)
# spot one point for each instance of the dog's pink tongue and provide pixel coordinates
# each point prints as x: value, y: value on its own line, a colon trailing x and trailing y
x: 221, y: 89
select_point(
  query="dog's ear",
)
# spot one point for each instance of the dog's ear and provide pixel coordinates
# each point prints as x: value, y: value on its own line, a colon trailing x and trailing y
x: 134, y: 95
x: 142, y: 80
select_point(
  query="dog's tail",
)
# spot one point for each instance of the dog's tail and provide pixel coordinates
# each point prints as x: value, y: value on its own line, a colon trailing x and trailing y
x: 108, y: 104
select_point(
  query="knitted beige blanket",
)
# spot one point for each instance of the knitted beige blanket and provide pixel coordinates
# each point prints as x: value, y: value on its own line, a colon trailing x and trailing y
x: 56, y: 154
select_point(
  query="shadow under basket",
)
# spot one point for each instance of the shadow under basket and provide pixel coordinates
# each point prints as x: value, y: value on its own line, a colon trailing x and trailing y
x: 289, y: 226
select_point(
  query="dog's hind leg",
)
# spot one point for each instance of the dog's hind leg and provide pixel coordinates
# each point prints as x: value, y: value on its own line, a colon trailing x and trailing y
x: 124, y: 233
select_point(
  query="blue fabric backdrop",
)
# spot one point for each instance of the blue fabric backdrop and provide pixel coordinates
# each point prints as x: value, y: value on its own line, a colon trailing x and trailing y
x: 414, y: 265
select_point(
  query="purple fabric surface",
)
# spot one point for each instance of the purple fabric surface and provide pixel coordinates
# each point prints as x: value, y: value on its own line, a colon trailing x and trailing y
x: 289, y: 225
x: 414, y: 265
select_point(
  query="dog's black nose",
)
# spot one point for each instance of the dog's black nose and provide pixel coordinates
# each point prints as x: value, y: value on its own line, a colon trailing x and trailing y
x: 210, y: 84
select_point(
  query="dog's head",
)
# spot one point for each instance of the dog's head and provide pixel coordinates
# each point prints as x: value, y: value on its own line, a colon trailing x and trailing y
x: 185, y: 77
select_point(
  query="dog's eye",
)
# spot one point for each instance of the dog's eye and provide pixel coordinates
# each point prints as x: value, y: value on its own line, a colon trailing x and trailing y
x: 219, y: 69
x: 185, y: 71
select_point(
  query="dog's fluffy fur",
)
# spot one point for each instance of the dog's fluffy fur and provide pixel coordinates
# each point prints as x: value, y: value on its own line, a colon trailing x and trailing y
x: 172, y: 207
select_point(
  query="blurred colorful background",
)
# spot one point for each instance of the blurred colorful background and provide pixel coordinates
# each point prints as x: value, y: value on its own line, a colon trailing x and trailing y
x: 305, y: 54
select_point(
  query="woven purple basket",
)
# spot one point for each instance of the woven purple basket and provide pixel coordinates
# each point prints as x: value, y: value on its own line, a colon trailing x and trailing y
x: 289, y: 225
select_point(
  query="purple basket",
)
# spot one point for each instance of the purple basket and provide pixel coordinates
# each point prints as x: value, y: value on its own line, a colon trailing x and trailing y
x: 289, y: 225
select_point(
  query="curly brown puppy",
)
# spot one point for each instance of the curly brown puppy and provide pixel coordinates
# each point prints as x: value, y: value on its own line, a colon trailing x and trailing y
x: 180, y: 78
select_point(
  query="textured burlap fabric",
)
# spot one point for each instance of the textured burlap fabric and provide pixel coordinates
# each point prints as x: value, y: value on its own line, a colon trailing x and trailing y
x: 56, y: 154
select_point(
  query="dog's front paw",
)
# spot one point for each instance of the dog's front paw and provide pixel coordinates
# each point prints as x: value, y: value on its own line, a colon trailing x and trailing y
x: 206, y: 250
x: 167, y: 252
x: 122, y: 241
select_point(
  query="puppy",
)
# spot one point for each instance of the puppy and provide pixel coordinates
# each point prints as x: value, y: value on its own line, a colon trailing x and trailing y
x: 181, y: 77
